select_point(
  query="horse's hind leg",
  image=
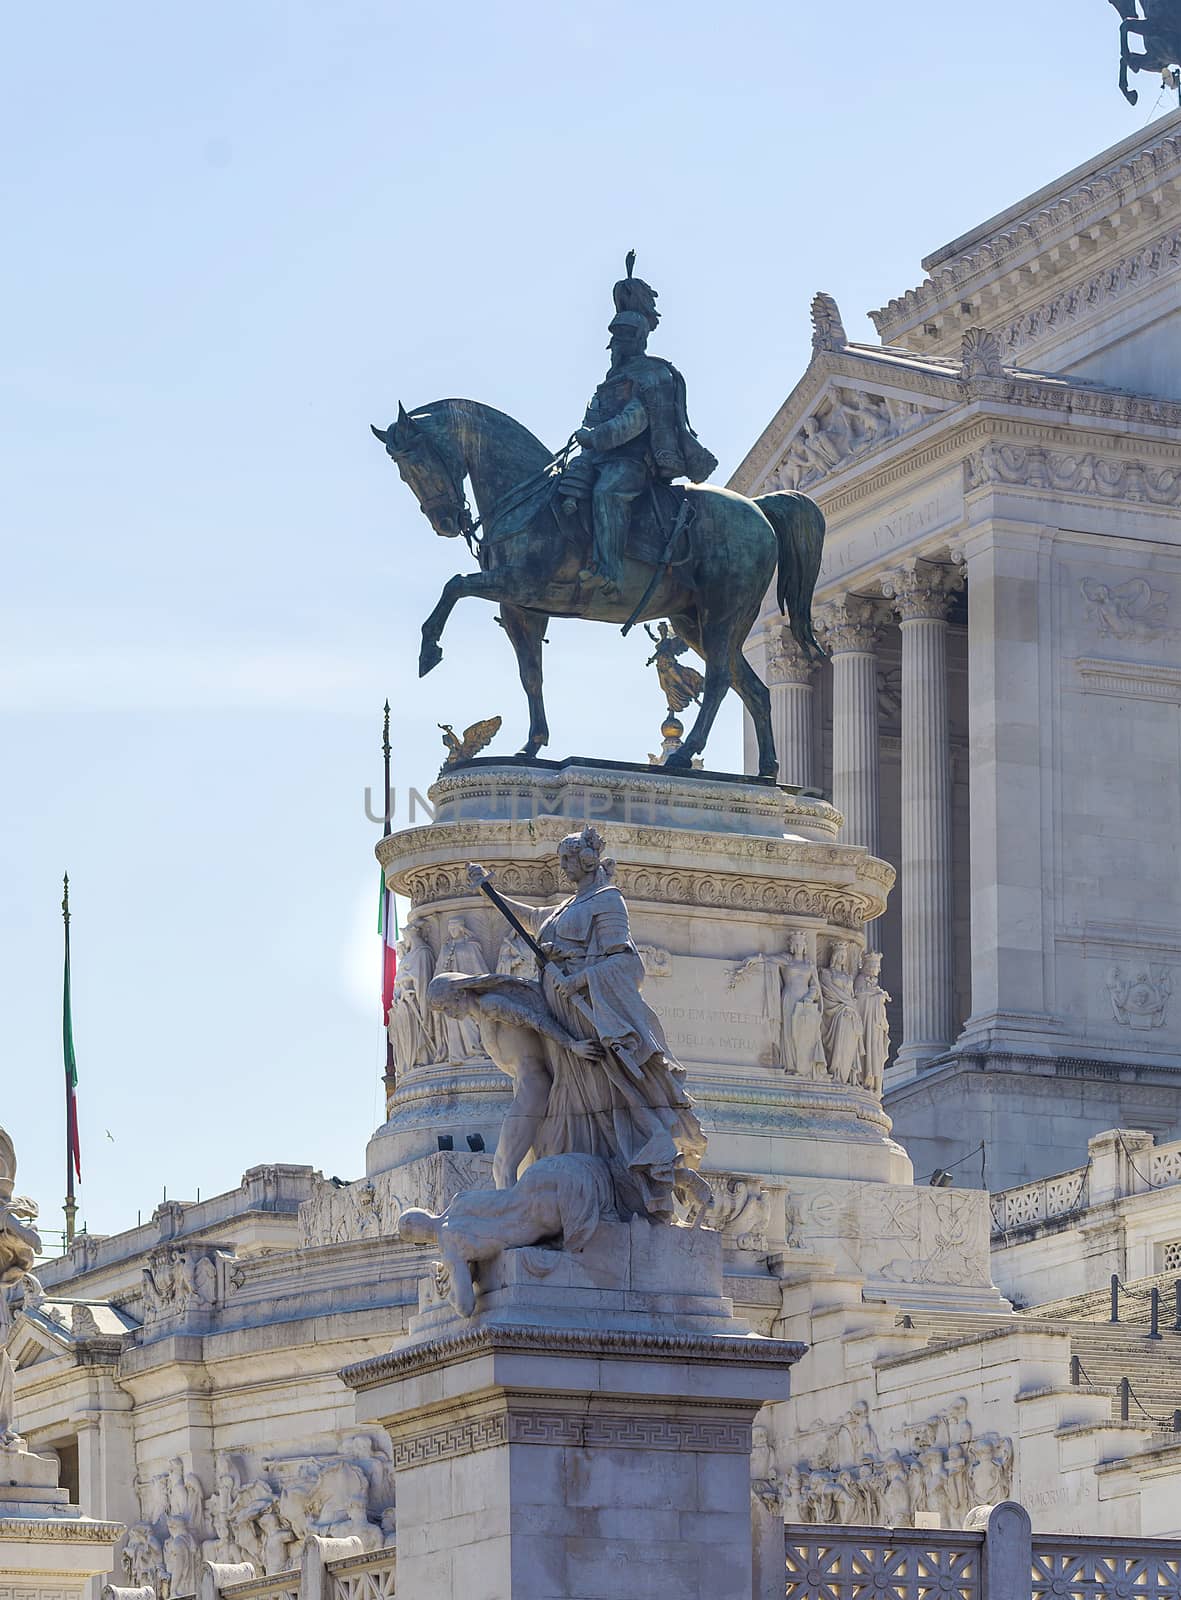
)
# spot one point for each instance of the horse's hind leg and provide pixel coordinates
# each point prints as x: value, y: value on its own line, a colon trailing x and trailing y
x: 1127, y: 60
x: 526, y: 631
x: 756, y: 697
x: 712, y: 642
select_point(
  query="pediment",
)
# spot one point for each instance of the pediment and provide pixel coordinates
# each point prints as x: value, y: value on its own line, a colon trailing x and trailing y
x: 846, y: 422
x: 853, y: 402
x: 31, y: 1346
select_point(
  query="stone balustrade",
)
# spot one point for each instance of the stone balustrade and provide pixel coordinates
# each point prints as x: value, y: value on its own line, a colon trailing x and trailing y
x: 1122, y: 1162
x: 1040, y: 1201
x: 996, y: 1558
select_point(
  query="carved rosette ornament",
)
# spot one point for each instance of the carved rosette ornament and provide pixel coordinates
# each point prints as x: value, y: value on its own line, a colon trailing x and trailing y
x: 848, y: 625
x: 921, y: 591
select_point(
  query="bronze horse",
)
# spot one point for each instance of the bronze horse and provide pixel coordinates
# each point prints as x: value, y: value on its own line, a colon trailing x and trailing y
x: 711, y: 586
x: 1160, y: 32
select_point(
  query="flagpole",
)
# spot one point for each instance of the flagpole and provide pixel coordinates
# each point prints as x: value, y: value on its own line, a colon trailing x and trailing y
x: 387, y: 829
x: 71, y: 1206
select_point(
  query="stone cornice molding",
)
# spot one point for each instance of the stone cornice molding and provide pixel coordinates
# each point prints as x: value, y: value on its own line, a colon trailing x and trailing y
x: 918, y: 397
x: 1134, y: 190
x: 491, y: 1338
x: 921, y: 591
x: 1093, y: 295
x: 842, y: 904
x: 445, y: 848
x: 58, y: 1530
x: 848, y: 625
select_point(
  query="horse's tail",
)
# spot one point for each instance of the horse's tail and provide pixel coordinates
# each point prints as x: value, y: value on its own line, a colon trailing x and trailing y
x: 799, y: 528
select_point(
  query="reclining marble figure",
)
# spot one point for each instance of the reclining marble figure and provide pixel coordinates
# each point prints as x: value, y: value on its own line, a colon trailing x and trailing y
x: 559, y: 1199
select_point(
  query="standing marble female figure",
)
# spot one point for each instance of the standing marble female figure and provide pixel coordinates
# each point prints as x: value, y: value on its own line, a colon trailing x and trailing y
x: 626, y: 1104
x: 794, y: 1002
x: 841, y: 1026
x: 413, y: 1027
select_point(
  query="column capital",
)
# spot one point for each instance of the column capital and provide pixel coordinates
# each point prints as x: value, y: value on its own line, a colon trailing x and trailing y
x: 847, y: 624
x: 921, y: 590
x: 786, y: 662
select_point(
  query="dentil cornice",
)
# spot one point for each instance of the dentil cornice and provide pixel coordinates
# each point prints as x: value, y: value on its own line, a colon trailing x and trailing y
x: 997, y: 275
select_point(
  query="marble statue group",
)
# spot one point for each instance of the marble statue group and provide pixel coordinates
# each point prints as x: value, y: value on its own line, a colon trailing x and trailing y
x: 600, y: 1126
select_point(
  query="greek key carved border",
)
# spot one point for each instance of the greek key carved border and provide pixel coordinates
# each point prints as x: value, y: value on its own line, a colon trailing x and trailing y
x: 623, y: 1430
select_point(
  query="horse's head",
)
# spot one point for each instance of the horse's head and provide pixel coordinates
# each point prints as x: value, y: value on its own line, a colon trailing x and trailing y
x: 431, y: 468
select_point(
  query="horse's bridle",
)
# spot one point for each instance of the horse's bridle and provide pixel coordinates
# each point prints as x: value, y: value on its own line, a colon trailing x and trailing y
x: 458, y: 504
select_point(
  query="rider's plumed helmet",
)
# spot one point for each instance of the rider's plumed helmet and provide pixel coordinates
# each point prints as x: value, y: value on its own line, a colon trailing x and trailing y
x: 632, y: 294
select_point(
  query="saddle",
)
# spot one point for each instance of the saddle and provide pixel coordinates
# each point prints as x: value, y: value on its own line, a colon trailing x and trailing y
x: 653, y: 518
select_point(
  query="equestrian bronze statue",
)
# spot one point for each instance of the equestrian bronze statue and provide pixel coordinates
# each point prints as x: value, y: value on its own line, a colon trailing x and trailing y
x: 607, y: 534
x: 1159, y: 31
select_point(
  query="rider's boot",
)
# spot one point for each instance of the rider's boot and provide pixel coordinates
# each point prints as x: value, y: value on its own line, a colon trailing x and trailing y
x: 612, y: 516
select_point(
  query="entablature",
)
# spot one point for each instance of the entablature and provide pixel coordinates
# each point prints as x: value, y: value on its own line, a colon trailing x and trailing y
x: 1072, y: 232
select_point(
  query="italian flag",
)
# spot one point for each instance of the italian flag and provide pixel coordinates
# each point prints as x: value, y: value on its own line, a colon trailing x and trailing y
x: 387, y: 928
x: 73, y: 1147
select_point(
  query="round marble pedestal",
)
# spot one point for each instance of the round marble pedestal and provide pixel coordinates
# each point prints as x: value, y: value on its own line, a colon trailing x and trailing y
x: 714, y: 870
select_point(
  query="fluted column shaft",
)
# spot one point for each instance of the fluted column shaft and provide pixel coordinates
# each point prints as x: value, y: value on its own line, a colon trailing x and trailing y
x: 848, y: 628
x: 921, y: 593
x: 790, y: 677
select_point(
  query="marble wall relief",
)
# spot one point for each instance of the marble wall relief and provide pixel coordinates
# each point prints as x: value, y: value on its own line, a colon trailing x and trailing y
x: 1131, y: 610
x: 260, y: 1511
x: 827, y: 1024
x: 845, y: 425
x: 1140, y: 994
x: 940, y: 1466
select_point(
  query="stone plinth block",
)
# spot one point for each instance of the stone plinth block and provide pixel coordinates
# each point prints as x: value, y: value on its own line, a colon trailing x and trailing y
x: 637, y: 1275
x: 547, y: 1463
x: 46, y: 1546
x: 715, y: 872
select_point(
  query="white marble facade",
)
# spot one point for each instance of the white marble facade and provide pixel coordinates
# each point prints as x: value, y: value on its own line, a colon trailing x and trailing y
x: 1001, y: 717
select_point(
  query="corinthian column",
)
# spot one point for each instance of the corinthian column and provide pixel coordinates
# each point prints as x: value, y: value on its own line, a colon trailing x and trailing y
x: 790, y: 679
x: 921, y: 595
x: 847, y: 628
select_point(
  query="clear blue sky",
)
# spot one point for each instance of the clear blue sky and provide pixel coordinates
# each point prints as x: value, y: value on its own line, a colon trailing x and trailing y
x: 234, y: 235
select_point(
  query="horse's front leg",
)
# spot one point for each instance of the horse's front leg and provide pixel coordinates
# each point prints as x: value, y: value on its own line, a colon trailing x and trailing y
x: 1127, y: 59
x: 526, y: 631
x: 469, y: 585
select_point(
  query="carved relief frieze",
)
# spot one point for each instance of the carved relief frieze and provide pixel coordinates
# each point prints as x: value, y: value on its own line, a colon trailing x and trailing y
x: 261, y: 1510
x: 847, y: 423
x: 844, y: 1475
x: 368, y: 1209
x: 1083, y: 473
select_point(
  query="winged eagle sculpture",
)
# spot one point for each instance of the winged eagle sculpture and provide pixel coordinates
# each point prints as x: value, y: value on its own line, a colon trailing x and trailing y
x: 474, y: 739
